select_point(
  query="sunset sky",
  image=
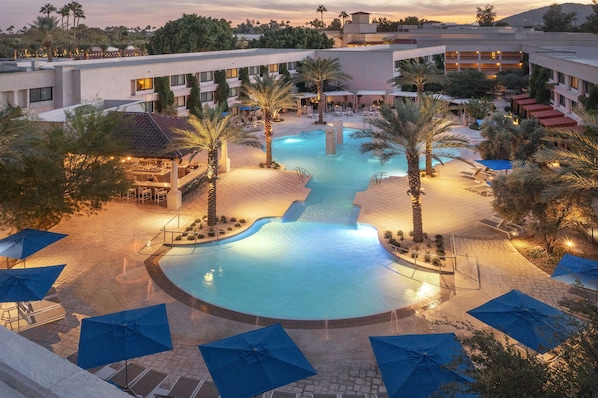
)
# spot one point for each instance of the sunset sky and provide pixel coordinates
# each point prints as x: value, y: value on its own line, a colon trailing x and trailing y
x: 132, y: 13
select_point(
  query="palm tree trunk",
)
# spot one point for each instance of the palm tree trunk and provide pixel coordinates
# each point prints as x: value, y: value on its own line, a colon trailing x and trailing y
x: 212, y: 174
x: 320, y: 103
x: 268, y: 135
x: 415, y: 191
x: 429, y: 169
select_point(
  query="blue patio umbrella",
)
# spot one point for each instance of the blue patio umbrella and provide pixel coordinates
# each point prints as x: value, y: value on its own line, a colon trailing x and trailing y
x: 577, y: 271
x: 533, y: 323
x: 123, y: 335
x: 27, y: 284
x: 497, y: 165
x: 417, y: 365
x: 254, y: 362
x: 26, y: 242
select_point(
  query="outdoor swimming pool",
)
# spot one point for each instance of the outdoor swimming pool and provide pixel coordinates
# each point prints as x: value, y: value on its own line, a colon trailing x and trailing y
x: 316, y: 263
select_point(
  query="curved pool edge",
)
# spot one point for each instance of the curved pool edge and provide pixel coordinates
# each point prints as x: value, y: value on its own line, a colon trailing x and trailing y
x: 152, y: 265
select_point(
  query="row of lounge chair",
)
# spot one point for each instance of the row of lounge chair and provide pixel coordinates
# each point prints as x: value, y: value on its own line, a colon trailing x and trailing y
x: 22, y: 316
x: 480, y: 183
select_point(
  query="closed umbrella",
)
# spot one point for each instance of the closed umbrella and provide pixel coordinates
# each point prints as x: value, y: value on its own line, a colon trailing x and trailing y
x: 533, y: 323
x: 123, y: 335
x: 254, y: 362
x: 417, y: 365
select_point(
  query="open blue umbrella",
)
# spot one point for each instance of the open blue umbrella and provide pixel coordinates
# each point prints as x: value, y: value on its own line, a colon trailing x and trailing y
x: 577, y: 271
x: 416, y: 365
x: 533, y: 323
x: 26, y: 242
x: 122, y: 336
x: 496, y: 165
x: 254, y: 362
x: 27, y: 284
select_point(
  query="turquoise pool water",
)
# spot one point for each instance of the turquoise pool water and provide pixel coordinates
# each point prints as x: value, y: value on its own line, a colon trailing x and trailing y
x: 316, y: 263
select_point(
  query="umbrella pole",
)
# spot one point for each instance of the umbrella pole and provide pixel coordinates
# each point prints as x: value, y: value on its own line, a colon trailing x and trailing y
x: 126, y: 375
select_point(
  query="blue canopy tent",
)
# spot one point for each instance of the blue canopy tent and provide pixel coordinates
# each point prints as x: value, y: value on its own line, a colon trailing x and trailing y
x: 254, y: 362
x: 531, y: 322
x: 26, y: 242
x: 496, y: 165
x: 122, y: 336
x: 577, y: 271
x: 417, y: 365
x: 27, y: 284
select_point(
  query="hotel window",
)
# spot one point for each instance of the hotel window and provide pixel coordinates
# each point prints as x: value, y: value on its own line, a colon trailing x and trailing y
x: 177, y: 80
x: 179, y: 102
x: 586, y: 86
x: 273, y: 68
x: 254, y: 70
x: 207, y: 96
x: 234, y: 91
x: 574, y: 83
x: 40, y: 94
x: 291, y: 65
x: 561, y: 77
x: 206, y: 76
x: 562, y: 100
x: 145, y: 84
x: 232, y: 73
x: 574, y: 105
x: 149, y: 106
x: 398, y: 66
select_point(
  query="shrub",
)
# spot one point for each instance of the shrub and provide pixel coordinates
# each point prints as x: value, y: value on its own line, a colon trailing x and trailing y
x: 436, y: 261
x: 205, y: 217
x: 410, y: 233
x: 193, y: 224
x: 191, y: 237
x: 400, y: 233
x: 223, y: 219
x: 221, y: 232
x: 387, y: 234
x: 189, y: 229
x: 197, y: 221
x: 211, y: 233
x: 185, y: 233
x: 229, y: 229
x: 242, y: 221
x: 178, y: 237
x: 261, y: 165
x: 438, y: 237
x: 237, y: 225
x: 233, y: 219
x: 427, y: 258
x: 201, y: 236
x: 425, y: 235
x: 414, y: 254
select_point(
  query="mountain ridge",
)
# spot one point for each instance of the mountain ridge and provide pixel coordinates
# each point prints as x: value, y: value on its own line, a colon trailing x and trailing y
x: 534, y: 18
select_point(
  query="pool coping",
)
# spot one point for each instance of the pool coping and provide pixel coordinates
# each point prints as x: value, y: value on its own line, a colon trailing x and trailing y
x: 152, y: 265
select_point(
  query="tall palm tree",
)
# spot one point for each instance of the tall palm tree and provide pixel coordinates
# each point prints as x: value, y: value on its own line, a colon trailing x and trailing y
x: 439, y: 124
x: 208, y: 134
x: 64, y: 11
x: 322, y: 9
x: 405, y: 132
x: 47, y: 9
x: 46, y: 31
x: 317, y: 71
x: 343, y: 15
x: 414, y: 72
x: 271, y: 95
x: 18, y: 140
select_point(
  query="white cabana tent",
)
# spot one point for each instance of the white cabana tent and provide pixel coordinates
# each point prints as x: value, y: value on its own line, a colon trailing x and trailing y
x: 302, y: 96
x: 346, y: 95
x: 370, y: 93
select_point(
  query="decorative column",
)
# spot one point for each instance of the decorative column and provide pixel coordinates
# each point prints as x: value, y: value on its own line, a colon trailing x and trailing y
x: 330, y: 141
x: 224, y: 161
x: 338, y: 130
x: 174, y: 198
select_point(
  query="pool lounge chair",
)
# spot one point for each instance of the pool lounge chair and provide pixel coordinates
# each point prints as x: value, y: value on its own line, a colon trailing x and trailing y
x: 207, y: 390
x: 147, y: 383
x: 495, y: 223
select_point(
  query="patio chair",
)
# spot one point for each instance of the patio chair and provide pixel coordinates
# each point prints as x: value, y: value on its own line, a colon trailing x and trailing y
x: 495, y: 223
x: 207, y: 390
x: 147, y: 383
x: 283, y: 394
x: 133, y: 372
x: 160, y: 195
x: 145, y: 193
x: 184, y: 387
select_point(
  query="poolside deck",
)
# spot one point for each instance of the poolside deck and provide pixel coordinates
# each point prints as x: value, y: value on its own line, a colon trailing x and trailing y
x: 105, y: 253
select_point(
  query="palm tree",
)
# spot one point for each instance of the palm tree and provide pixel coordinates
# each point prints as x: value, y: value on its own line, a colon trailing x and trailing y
x: 47, y: 9
x: 64, y: 11
x: 271, y: 95
x: 76, y: 8
x: 46, y: 31
x: 208, y: 134
x: 317, y: 71
x: 419, y: 74
x: 322, y: 9
x: 577, y: 161
x: 405, y: 132
x: 18, y: 140
x: 343, y: 15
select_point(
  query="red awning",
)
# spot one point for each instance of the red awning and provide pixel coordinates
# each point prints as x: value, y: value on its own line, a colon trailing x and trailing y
x: 548, y: 114
x: 527, y: 109
x: 558, y: 122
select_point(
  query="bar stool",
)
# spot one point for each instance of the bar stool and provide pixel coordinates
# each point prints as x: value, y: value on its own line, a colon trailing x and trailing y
x: 160, y: 195
x: 144, y: 194
x: 130, y: 193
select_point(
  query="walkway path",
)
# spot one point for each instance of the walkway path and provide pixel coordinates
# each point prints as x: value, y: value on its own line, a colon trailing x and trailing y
x: 104, y: 254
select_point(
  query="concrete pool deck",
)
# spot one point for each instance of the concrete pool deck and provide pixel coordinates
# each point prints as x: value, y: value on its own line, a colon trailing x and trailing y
x: 105, y: 270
